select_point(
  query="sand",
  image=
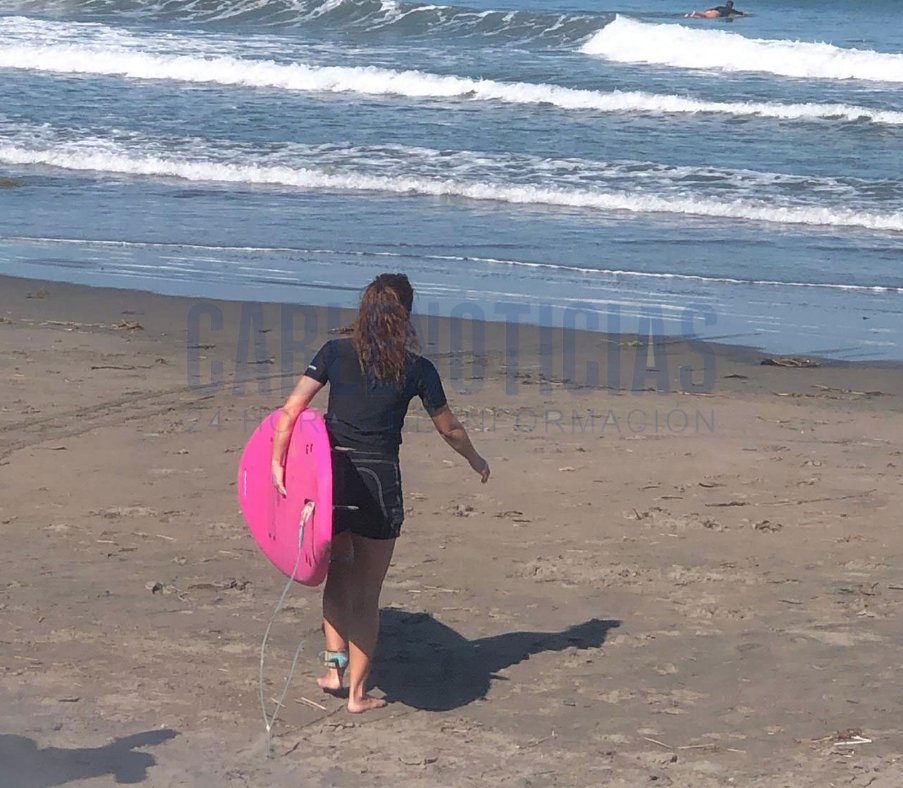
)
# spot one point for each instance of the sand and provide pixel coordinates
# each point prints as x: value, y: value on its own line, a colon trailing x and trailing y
x: 654, y: 588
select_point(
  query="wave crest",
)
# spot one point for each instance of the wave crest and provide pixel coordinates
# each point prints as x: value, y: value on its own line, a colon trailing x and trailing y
x: 630, y: 41
x: 103, y: 157
x: 112, y: 53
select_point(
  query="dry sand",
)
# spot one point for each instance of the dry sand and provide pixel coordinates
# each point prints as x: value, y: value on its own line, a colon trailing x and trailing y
x: 629, y: 601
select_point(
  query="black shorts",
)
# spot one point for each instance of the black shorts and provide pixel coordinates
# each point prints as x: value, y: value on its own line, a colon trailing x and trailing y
x: 372, y: 483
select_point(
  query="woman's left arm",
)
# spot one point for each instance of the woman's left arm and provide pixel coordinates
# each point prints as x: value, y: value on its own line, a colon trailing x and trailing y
x: 298, y: 401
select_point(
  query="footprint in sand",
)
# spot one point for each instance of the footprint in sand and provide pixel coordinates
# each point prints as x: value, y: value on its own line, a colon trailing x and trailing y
x: 116, y: 512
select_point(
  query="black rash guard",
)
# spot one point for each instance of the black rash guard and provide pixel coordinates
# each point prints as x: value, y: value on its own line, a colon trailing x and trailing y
x: 367, y: 416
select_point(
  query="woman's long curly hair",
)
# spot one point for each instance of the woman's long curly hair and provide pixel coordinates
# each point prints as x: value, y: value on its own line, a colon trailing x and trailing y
x: 383, y: 333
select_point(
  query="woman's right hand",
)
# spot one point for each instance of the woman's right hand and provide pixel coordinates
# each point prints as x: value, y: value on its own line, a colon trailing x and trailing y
x: 279, y: 477
x: 481, y: 467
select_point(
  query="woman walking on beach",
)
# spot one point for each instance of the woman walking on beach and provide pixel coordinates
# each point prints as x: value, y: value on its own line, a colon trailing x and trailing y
x: 372, y: 376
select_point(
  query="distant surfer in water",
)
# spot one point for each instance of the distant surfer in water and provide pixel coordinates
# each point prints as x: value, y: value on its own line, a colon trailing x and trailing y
x: 373, y: 375
x: 726, y: 11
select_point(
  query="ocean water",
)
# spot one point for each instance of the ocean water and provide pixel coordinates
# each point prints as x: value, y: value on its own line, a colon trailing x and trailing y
x: 596, y: 163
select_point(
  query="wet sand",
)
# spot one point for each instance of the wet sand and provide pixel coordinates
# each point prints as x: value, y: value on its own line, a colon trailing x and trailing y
x: 656, y: 587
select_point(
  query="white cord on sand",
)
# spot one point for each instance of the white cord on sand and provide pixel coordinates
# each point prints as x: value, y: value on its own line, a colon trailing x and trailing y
x: 268, y: 721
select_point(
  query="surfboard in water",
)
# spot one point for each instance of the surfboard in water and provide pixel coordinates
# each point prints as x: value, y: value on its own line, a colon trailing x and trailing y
x: 303, y: 517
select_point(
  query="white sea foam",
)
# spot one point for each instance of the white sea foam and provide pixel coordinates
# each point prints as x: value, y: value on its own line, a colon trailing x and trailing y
x: 627, y: 40
x: 106, y: 158
x: 406, y: 161
x: 127, y: 62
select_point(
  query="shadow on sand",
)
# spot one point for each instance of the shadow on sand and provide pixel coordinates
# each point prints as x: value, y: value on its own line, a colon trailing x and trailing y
x: 25, y: 765
x: 425, y: 664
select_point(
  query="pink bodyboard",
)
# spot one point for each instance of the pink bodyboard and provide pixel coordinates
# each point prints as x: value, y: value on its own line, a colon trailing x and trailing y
x: 275, y: 520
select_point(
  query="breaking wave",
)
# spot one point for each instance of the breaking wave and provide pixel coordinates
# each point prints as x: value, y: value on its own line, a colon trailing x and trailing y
x: 630, y: 41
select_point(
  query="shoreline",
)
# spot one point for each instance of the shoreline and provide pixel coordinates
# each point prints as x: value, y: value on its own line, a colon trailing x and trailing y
x: 449, y: 337
x: 673, y: 322
x: 615, y: 607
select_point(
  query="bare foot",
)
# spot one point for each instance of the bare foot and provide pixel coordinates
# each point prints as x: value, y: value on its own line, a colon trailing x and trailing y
x: 331, y: 682
x: 365, y: 703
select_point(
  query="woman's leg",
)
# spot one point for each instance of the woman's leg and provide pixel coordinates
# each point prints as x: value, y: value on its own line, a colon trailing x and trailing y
x: 337, y: 609
x: 371, y: 560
